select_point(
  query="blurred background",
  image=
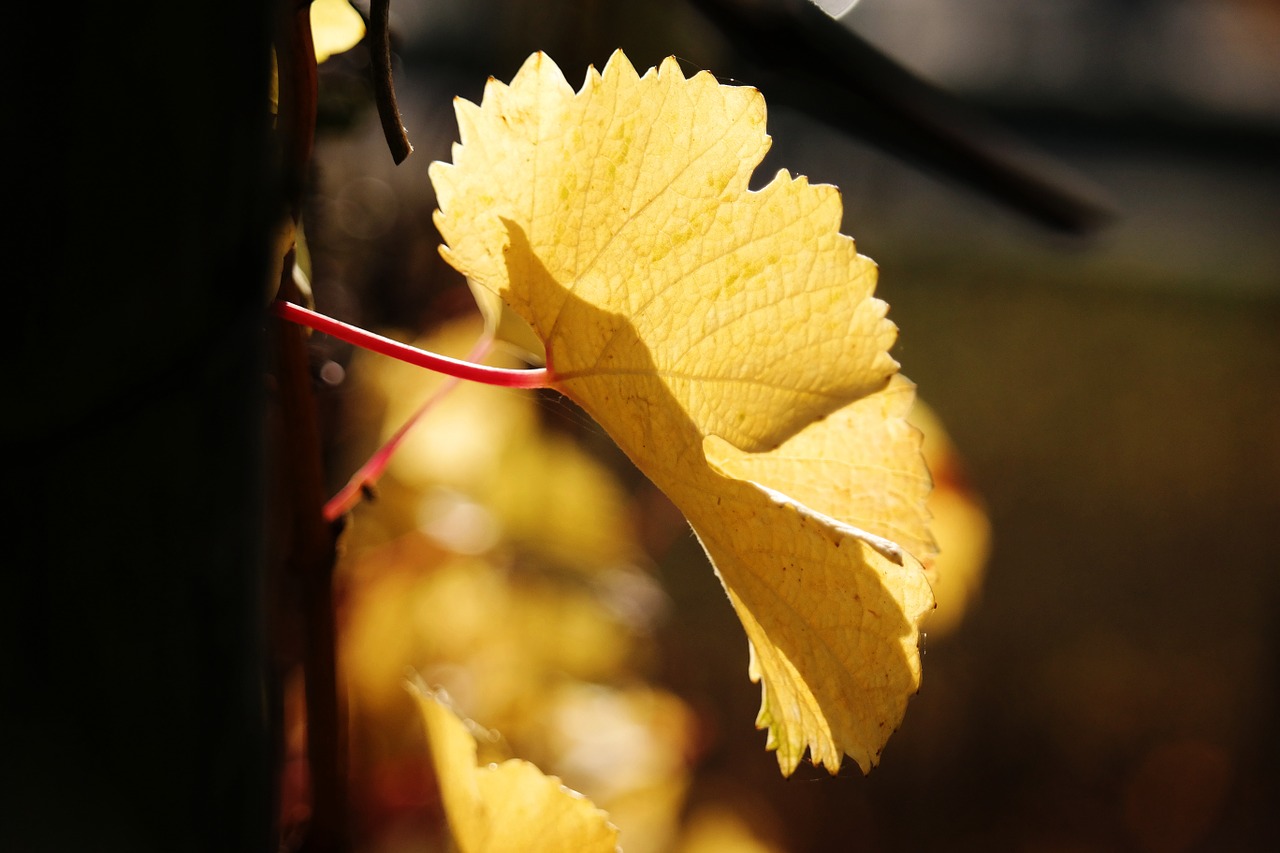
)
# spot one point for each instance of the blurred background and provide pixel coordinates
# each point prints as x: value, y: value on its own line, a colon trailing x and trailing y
x: 1102, y: 672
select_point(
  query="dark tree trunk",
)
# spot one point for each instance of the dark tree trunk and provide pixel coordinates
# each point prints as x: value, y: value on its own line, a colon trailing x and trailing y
x: 136, y: 691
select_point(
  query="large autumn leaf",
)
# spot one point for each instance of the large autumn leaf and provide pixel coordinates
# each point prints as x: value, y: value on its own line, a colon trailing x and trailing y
x: 712, y: 330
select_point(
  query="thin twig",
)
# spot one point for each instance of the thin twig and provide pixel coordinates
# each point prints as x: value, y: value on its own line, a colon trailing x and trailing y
x: 384, y: 90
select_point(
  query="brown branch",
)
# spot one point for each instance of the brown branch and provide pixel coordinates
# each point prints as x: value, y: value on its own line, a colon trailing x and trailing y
x: 297, y: 76
x: 384, y: 91
x: 304, y: 620
x: 308, y: 586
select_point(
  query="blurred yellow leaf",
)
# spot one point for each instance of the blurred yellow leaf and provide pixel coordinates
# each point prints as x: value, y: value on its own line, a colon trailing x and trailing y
x: 630, y: 747
x: 958, y: 523
x: 335, y: 27
x: 540, y: 490
x: 510, y: 806
x: 718, y: 829
x: 498, y: 642
x: 703, y: 325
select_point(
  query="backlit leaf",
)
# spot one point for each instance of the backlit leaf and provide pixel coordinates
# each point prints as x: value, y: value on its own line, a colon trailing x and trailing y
x: 706, y: 326
x: 335, y: 27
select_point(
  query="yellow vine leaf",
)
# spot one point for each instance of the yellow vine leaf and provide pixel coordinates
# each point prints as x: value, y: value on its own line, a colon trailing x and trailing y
x: 718, y: 334
x: 335, y: 27
x: 509, y: 807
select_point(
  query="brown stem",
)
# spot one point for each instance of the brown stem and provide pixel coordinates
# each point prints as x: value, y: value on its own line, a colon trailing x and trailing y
x: 297, y: 75
x: 309, y: 569
x: 384, y: 91
x: 306, y: 587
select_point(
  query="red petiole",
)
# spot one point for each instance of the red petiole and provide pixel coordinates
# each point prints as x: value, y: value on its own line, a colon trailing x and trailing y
x: 503, y: 377
x: 369, y: 473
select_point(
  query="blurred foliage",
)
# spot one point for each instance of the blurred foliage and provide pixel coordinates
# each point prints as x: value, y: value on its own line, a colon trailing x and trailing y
x: 509, y: 807
x: 958, y: 523
x: 500, y: 561
x: 335, y: 27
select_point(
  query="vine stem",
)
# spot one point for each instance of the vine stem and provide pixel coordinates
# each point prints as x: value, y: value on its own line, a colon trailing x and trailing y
x: 384, y: 91
x: 538, y: 377
x: 370, y: 471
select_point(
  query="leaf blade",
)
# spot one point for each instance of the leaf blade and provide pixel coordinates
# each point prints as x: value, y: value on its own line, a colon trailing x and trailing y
x: 706, y: 326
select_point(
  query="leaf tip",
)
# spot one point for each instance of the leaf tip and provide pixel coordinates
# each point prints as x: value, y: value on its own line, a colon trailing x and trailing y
x: 671, y: 65
x: 540, y: 70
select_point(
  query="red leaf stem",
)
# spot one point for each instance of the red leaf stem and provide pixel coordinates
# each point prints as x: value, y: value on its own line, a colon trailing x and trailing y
x: 370, y: 471
x: 503, y: 377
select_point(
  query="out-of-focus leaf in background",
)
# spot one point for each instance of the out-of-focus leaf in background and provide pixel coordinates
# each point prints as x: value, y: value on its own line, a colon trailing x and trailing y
x: 482, y: 447
x: 721, y: 830
x: 958, y: 522
x: 335, y: 27
x: 499, y: 562
x: 509, y: 807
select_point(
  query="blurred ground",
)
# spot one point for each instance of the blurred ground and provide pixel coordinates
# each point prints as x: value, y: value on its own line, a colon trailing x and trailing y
x: 1116, y: 402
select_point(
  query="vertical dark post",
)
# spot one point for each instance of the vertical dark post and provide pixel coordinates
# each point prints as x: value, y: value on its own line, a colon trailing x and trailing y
x: 135, y: 695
